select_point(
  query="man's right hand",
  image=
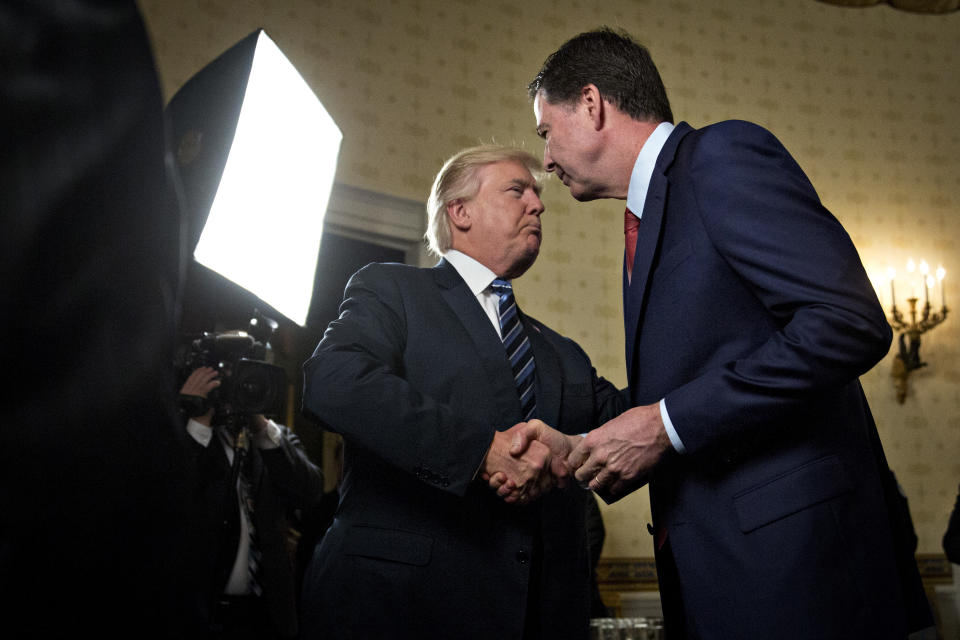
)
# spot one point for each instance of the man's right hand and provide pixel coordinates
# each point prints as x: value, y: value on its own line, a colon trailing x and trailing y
x: 560, y: 445
x: 520, y: 478
x: 535, y: 432
x: 200, y: 383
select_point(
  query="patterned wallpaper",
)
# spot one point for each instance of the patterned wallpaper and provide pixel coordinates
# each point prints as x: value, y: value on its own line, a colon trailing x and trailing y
x: 866, y: 99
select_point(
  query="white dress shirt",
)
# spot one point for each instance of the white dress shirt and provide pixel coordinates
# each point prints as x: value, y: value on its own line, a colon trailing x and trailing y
x: 478, y: 279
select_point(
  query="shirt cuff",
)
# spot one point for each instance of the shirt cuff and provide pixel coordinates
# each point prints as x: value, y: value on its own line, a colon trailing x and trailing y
x: 671, y: 432
x: 270, y: 437
x: 199, y: 432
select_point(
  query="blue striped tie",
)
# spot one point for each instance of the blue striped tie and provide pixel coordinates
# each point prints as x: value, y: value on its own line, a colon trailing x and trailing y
x: 517, y: 346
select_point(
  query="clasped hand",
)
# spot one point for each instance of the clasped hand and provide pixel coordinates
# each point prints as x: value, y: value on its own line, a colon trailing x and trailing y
x: 612, y: 460
x: 527, y: 460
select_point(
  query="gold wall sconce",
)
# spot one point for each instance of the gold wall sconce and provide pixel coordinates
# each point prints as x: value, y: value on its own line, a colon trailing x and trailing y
x: 916, y: 322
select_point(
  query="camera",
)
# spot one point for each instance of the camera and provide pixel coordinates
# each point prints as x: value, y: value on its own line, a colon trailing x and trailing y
x: 248, y: 384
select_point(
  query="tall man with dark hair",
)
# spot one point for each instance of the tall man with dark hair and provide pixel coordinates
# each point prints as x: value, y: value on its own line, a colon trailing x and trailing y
x: 422, y: 374
x: 748, y: 319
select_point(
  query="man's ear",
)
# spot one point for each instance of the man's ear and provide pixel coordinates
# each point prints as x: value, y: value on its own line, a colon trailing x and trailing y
x: 458, y: 214
x: 591, y: 100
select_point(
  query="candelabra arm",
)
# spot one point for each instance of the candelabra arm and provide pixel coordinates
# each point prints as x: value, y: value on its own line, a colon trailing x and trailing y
x: 907, y: 358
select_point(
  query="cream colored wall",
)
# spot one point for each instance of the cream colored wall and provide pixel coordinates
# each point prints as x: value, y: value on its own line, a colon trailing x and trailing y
x: 865, y: 98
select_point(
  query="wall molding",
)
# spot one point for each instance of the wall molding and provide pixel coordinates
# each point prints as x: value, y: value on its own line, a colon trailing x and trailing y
x: 380, y: 219
x: 616, y: 576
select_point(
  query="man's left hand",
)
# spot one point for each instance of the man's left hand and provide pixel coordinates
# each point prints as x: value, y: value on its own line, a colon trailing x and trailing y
x: 611, y: 458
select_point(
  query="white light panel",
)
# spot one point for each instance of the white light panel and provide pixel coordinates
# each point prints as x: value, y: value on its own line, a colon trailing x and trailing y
x: 264, y: 227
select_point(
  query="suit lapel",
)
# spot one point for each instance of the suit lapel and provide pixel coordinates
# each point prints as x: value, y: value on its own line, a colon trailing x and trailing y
x: 648, y: 237
x: 486, y: 342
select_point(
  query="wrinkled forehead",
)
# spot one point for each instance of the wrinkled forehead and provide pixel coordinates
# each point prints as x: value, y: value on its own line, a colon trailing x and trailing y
x: 526, y: 171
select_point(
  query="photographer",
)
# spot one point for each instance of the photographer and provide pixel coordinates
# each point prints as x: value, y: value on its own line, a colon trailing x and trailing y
x: 253, y: 475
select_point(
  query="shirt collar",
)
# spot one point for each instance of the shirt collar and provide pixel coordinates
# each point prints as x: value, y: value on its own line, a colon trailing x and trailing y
x: 643, y: 167
x: 477, y: 276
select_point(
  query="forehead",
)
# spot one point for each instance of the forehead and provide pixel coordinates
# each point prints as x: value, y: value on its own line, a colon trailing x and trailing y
x: 505, y: 171
x: 548, y: 114
x: 538, y: 104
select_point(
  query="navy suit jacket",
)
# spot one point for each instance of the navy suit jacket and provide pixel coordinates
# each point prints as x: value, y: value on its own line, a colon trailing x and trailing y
x: 415, y: 378
x: 749, y: 311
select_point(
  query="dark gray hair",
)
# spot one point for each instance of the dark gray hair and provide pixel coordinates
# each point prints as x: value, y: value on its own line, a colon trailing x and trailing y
x: 621, y: 68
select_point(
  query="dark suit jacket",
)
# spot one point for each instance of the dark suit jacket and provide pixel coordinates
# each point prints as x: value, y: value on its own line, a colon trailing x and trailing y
x: 91, y: 467
x: 283, y: 480
x: 416, y: 380
x: 750, y: 312
x: 951, y: 538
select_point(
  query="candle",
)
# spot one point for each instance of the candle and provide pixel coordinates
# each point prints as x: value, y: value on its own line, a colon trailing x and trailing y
x: 941, y: 273
x: 927, y: 281
x: 892, y: 273
x: 911, y: 267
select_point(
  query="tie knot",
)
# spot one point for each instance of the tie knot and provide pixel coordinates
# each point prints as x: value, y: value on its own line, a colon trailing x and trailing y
x: 630, y: 221
x: 501, y: 287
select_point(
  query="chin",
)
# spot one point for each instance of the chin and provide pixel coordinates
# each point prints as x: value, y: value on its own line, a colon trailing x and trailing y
x: 521, y: 266
x: 581, y: 195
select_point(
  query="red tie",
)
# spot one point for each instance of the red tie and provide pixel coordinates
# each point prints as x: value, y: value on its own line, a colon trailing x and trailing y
x: 630, y: 224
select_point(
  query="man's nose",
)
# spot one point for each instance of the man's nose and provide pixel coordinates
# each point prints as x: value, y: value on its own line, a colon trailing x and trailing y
x: 548, y: 164
x: 536, y: 205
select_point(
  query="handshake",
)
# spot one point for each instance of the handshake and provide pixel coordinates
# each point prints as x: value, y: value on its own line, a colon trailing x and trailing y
x: 531, y: 458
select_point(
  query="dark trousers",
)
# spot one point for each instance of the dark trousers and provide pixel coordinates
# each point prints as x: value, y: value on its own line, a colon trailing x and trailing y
x: 241, y: 618
x: 674, y: 623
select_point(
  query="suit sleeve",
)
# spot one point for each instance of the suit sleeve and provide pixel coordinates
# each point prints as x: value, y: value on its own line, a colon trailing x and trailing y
x: 589, y: 399
x: 292, y: 475
x: 951, y: 539
x: 764, y: 218
x: 355, y: 384
x: 608, y: 401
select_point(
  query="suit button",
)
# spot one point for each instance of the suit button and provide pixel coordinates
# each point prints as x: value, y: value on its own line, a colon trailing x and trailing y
x: 523, y: 557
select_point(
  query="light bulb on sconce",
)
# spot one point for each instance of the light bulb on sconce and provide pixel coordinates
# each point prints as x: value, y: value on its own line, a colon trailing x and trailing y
x: 916, y: 323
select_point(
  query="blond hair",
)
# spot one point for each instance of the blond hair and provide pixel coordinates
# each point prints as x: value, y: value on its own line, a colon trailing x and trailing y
x: 457, y: 180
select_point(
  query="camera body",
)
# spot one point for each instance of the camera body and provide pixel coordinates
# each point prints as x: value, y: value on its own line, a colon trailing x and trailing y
x: 248, y: 384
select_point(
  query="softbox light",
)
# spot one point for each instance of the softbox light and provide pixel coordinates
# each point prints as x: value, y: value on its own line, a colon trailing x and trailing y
x: 256, y: 153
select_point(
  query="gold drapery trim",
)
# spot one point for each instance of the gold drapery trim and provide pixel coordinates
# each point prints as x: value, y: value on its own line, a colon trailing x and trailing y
x: 916, y: 6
